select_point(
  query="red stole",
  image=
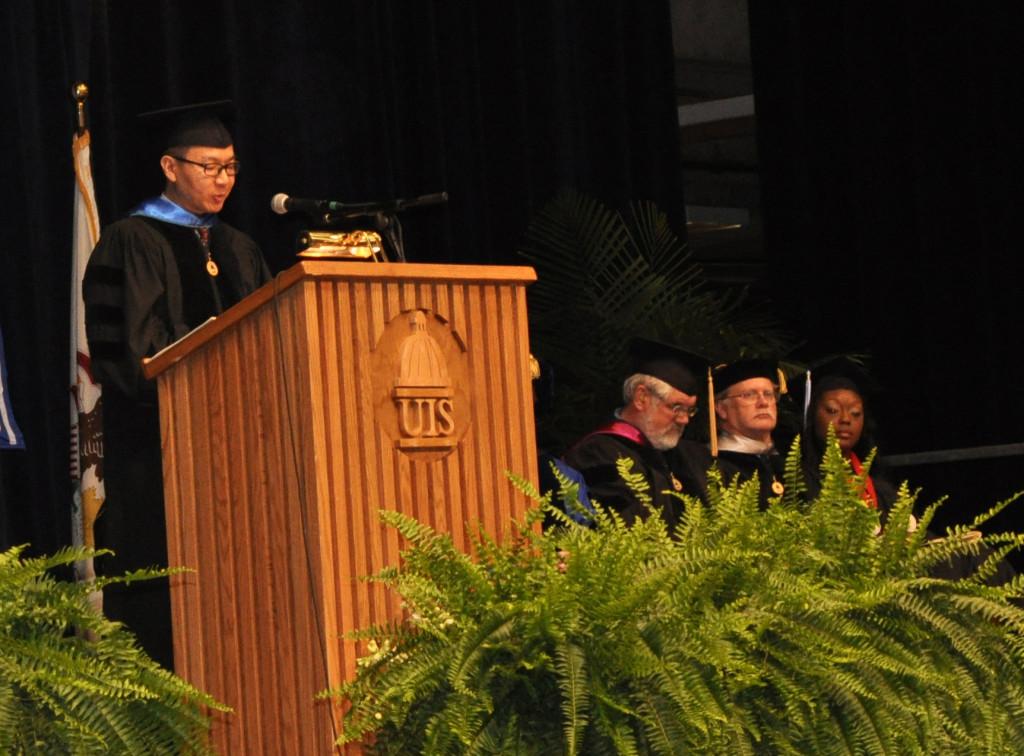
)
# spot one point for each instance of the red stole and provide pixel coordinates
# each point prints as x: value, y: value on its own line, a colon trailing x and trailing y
x: 870, y: 496
x: 623, y: 429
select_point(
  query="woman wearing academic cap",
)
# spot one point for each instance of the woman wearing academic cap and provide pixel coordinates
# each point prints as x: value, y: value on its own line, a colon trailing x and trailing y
x: 153, y: 277
x: 838, y: 398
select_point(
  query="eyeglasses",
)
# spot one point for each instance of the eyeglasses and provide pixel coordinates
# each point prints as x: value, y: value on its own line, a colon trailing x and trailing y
x: 750, y: 397
x: 212, y: 169
x: 676, y: 409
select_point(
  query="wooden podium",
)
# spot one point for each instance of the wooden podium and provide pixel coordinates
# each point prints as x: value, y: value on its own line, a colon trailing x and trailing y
x: 287, y: 423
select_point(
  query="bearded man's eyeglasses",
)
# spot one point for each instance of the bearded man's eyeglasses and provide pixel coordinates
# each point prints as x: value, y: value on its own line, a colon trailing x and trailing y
x: 677, y: 408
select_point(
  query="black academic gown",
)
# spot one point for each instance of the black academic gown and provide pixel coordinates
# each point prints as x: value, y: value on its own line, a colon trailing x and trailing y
x: 689, y: 462
x: 742, y: 466
x: 595, y: 456
x: 145, y: 286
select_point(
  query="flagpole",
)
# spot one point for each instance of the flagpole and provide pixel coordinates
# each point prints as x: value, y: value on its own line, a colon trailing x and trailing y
x: 86, y: 400
x: 10, y: 434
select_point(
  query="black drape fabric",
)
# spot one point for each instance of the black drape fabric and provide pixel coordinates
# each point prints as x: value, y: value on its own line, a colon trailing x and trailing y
x: 362, y: 101
x: 891, y: 188
x: 349, y: 100
x: 35, y: 279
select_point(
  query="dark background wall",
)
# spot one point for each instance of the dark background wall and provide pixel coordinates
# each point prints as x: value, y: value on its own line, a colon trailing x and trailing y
x: 348, y: 100
x: 892, y: 188
x: 890, y: 169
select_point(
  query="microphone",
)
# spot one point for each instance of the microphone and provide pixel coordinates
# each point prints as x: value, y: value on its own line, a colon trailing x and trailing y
x: 281, y: 203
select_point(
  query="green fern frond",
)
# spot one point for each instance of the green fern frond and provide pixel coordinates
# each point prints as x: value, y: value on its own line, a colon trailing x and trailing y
x: 636, y: 481
x: 928, y: 515
x: 990, y: 513
x: 472, y: 650
x: 570, y: 664
x: 798, y: 629
x: 947, y: 628
x: 61, y: 692
x: 793, y: 475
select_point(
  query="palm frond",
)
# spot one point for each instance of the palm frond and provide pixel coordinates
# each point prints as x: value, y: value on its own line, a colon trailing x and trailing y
x: 604, y: 277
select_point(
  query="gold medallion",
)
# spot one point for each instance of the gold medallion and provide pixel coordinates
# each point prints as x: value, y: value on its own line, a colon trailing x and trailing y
x: 211, y: 268
x: 675, y: 482
x: 777, y: 487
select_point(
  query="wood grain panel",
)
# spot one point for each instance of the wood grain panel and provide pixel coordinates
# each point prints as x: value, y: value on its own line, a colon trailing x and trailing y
x: 250, y: 557
x: 281, y: 392
x: 277, y: 462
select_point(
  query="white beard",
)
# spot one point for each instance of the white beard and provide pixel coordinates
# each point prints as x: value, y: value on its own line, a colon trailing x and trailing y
x: 665, y: 440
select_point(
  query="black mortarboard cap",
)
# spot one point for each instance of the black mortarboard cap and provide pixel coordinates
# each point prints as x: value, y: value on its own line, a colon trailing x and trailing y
x: 837, y: 373
x: 678, y: 368
x: 197, y: 125
x: 842, y: 373
x: 728, y: 375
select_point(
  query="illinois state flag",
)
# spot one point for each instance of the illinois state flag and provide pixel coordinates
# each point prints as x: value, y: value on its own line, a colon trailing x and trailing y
x: 86, y: 404
x: 10, y: 436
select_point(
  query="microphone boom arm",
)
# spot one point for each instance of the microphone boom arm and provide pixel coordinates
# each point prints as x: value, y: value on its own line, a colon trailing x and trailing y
x: 359, y: 209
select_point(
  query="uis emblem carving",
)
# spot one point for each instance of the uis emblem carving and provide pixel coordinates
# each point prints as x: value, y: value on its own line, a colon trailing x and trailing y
x: 423, y: 391
x: 420, y: 383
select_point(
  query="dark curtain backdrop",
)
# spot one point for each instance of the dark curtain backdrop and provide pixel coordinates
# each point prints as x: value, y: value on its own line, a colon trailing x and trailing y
x: 348, y: 100
x: 892, y: 189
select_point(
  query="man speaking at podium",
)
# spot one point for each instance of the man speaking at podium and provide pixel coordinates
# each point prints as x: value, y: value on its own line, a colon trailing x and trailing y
x: 153, y: 277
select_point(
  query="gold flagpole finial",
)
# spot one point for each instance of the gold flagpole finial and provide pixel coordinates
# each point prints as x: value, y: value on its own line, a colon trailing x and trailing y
x: 80, y: 93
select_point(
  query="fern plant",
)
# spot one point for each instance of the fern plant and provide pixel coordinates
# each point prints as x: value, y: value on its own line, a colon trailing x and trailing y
x: 604, y: 277
x: 800, y: 629
x: 90, y: 692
